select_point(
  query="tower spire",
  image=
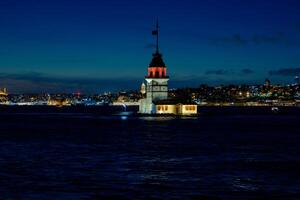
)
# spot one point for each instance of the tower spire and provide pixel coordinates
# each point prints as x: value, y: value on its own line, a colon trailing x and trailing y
x: 157, y: 37
x: 156, y: 33
x: 157, y: 60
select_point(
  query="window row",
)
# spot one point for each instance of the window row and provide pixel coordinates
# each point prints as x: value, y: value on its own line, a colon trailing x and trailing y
x: 162, y: 108
x: 191, y: 108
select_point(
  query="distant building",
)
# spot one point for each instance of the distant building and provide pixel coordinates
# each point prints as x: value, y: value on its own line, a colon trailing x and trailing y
x: 3, y: 96
x: 297, y: 80
x: 156, y: 101
x: 143, y: 88
x: 59, y: 102
x: 3, y: 92
x: 267, y: 83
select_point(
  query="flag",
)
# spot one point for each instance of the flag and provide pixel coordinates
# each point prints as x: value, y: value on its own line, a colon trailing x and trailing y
x: 155, y: 32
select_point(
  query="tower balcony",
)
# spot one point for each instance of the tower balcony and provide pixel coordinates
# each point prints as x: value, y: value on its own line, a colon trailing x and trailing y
x: 157, y: 72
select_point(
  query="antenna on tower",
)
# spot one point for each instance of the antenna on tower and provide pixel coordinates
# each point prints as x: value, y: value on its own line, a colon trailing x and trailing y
x: 156, y: 33
x: 157, y: 28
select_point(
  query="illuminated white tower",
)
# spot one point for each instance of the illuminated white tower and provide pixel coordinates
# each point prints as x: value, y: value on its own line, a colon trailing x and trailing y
x: 156, y: 80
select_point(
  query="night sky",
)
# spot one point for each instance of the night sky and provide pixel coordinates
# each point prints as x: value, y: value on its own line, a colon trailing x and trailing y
x: 97, y: 46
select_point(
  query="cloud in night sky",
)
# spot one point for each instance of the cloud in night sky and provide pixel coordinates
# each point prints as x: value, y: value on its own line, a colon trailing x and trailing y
x: 36, y: 82
x: 257, y: 39
x: 235, y: 39
x: 222, y: 72
x: 286, y: 72
x: 278, y: 38
x: 247, y: 71
x: 217, y: 72
x: 33, y: 82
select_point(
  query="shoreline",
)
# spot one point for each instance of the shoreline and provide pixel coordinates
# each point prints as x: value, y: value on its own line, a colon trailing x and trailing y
x: 133, y: 110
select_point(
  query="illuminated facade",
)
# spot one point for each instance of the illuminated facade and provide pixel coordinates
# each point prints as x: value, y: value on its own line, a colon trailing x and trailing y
x: 3, y: 92
x: 3, y: 96
x: 156, y: 81
x: 58, y: 102
x: 156, y: 84
x: 176, y: 109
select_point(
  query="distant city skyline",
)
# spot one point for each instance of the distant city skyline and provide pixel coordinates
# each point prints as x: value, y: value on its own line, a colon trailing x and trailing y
x: 89, y: 46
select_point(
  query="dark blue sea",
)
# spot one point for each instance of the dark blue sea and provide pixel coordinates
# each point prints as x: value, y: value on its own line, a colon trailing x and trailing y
x: 90, y: 156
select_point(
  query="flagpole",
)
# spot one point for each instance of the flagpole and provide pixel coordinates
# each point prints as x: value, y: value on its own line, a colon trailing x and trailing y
x: 157, y: 35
